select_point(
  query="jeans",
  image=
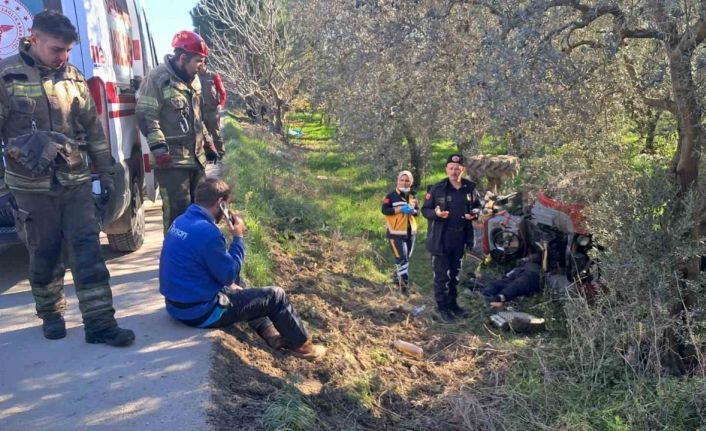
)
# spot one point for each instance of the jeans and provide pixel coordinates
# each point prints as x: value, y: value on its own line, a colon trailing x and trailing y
x: 262, y: 307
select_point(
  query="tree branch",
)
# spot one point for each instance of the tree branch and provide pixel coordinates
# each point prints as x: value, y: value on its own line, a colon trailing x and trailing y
x: 590, y: 14
x: 590, y: 43
x: 694, y: 36
x: 665, y: 104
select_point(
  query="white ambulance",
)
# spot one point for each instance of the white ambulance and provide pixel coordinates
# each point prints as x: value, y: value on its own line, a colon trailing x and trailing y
x: 115, y: 52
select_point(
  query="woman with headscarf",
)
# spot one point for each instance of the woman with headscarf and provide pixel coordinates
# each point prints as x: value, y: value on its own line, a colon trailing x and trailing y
x: 400, y: 208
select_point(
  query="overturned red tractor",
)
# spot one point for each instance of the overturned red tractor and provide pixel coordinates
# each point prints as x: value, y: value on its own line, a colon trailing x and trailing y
x: 554, y: 229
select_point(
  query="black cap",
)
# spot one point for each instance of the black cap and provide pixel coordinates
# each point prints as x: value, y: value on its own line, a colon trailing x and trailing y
x: 455, y: 158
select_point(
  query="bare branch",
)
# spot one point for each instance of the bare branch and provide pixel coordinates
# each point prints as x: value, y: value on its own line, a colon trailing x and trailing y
x: 694, y: 36
x: 663, y: 104
x: 252, y: 50
x: 591, y: 14
x: 590, y: 43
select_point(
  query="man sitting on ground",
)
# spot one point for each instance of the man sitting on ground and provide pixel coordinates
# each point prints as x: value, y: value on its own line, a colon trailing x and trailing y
x: 199, y: 278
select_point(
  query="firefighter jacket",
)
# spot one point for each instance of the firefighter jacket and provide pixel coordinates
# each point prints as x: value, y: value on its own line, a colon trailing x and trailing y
x: 36, y: 98
x: 214, y: 93
x: 399, y: 225
x: 437, y: 196
x: 169, y: 114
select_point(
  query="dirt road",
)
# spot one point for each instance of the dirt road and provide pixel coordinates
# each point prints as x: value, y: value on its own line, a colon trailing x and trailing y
x: 159, y: 383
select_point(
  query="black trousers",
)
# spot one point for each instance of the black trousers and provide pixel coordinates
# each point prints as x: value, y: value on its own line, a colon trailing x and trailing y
x: 446, y: 268
x: 519, y: 283
x: 262, y: 307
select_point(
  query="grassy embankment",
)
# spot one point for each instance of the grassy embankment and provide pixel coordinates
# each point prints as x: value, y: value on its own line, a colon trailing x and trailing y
x: 315, y: 227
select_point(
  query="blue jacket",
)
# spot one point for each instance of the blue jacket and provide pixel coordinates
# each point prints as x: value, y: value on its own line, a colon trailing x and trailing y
x: 194, y: 265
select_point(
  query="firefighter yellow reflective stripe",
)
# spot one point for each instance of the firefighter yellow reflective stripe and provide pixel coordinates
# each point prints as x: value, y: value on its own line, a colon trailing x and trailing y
x: 27, y: 90
x: 176, y: 93
x: 98, y: 147
x: 147, y: 102
x: 169, y: 92
x: 49, y: 88
x: 89, y: 103
x: 156, y: 136
x: 27, y: 184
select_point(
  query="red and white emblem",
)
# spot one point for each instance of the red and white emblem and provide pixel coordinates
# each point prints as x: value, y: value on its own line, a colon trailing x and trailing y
x: 15, y: 22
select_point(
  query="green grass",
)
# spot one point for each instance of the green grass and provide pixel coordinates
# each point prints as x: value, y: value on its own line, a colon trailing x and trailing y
x: 248, y: 185
x: 312, y: 125
x: 360, y: 389
x: 288, y: 411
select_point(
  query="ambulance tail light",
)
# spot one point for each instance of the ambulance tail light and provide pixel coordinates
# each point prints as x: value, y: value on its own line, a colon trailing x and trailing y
x: 96, y: 87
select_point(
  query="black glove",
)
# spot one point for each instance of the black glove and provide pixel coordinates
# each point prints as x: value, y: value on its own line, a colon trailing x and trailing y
x: 107, y: 188
x: 7, y: 207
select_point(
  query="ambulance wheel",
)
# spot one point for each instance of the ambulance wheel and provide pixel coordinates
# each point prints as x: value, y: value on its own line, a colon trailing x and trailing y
x: 132, y: 239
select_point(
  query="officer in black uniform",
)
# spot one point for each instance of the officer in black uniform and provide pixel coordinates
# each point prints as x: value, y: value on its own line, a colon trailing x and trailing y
x: 448, y: 206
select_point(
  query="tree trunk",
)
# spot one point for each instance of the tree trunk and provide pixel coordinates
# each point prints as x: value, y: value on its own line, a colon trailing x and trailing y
x: 689, y: 119
x: 650, y: 132
x: 692, y: 139
x: 692, y: 136
x: 514, y: 147
x: 278, y: 117
x: 415, y: 157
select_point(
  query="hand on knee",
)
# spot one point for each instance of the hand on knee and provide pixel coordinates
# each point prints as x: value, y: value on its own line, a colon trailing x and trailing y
x: 279, y: 294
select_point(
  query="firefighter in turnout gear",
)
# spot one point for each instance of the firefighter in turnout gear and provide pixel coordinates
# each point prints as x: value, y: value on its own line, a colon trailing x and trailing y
x: 169, y: 114
x: 214, y: 100
x: 448, y: 206
x: 49, y: 125
x: 400, y: 208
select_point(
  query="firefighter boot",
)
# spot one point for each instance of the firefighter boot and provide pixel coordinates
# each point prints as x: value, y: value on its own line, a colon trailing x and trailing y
x: 112, y: 336
x: 54, y: 327
x: 309, y: 351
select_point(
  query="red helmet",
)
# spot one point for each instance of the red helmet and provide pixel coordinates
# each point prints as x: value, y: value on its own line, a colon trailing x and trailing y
x: 190, y: 42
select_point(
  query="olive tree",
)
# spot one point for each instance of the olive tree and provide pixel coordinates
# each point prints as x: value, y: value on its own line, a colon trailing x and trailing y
x: 252, y: 49
x: 399, y: 75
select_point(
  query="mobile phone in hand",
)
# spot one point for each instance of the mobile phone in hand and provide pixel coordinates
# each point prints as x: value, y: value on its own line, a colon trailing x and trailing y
x: 226, y: 212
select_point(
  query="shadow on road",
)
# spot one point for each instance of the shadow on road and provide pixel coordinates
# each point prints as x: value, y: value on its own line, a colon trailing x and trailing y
x: 110, y: 388
x: 14, y: 261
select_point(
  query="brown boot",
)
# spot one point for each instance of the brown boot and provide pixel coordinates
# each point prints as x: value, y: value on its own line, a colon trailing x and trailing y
x: 309, y: 351
x: 272, y: 337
